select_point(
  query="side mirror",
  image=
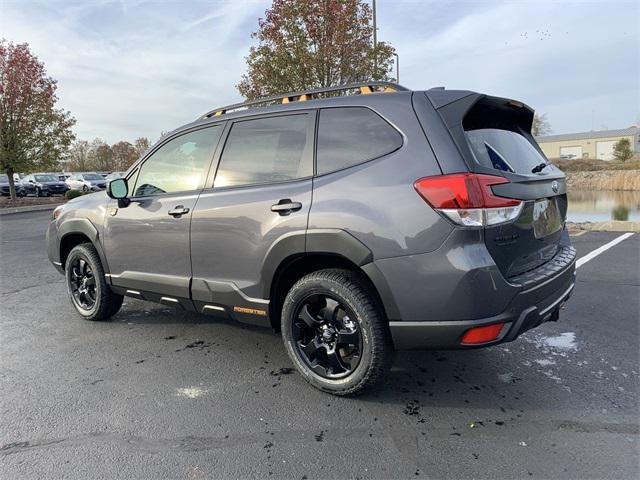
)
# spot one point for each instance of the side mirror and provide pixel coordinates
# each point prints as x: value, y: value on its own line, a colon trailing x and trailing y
x: 118, y: 189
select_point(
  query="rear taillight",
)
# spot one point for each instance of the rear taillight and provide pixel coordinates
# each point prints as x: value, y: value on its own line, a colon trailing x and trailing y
x: 467, y: 199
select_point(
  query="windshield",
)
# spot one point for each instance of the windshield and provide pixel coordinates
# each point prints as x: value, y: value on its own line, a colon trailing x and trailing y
x: 92, y: 176
x: 4, y: 179
x: 45, y: 178
x: 504, y: 150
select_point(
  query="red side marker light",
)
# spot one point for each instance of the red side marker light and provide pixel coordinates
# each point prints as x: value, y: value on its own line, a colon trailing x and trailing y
x: 482, y: 334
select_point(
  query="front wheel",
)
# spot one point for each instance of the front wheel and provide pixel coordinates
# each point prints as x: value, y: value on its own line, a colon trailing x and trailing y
x: 87, y: 287
x: 336, y: 333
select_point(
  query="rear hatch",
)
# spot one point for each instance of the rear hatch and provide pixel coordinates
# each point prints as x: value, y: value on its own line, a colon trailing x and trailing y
x: 494, y: 137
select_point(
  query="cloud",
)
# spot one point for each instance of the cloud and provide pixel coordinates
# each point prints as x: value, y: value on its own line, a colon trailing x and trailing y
x: 130, y: 68
x: 137, y: 70
x: 564, y: 58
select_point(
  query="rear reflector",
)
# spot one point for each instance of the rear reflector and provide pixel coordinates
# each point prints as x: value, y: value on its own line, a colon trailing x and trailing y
x: 482, y: 334
x: 467, y: 198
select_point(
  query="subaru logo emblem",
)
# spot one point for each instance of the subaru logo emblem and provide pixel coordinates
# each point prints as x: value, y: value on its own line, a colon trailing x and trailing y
x: 555, y: 186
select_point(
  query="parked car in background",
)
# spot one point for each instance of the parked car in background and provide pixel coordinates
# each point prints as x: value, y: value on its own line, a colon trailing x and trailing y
x: 103, y: 174
x: 43, y: 185
x: 4, y: 186
x: 63, y: 176
x: 86, y: 181
x: 114, y: 175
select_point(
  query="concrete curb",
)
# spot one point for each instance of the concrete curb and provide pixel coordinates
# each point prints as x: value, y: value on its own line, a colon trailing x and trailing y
x: 609, y: 226
x: 30, y: 208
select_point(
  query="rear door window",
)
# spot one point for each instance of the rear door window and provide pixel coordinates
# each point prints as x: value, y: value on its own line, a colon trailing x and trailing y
x: 267, y: 150
x: 503, y: 150
x: 349, y: 136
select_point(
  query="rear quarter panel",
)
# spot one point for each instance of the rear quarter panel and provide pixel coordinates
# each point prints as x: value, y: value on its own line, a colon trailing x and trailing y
x: 375, y: 201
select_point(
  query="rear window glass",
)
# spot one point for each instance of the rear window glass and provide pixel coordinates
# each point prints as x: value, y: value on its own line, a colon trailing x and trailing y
x: 503, y: 150
x: 351, y: 135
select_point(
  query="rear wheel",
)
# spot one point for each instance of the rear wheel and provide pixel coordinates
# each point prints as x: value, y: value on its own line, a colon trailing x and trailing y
x: 335, y: 332
x: 85, y: 188
x: 87, y: 287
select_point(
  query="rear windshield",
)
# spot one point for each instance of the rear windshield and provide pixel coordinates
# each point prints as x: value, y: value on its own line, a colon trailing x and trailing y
x: 4, y: 179
x: 503, y: 150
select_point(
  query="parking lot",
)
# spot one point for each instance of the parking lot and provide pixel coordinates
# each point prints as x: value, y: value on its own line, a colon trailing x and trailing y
x: 160, y: 393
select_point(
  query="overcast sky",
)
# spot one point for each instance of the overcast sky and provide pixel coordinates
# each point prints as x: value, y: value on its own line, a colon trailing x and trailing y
x: 133, y: 68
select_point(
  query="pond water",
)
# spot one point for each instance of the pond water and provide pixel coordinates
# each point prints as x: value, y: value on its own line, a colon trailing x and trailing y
x: 603, y: 205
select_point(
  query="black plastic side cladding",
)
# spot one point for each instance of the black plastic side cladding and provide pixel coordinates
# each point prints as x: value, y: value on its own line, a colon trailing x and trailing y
x: 86, y: 228
x: 338, y: 242
x: 331, y: 241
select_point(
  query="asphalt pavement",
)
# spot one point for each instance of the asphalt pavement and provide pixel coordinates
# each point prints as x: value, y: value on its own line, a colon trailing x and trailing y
x: 160, y: 393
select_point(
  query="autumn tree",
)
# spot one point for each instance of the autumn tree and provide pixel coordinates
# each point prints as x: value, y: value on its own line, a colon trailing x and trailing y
x: 622, y: 150
x: 123, y: 155
x: 304, y: 44
x: 141, y: 145
x: 79, y: 156
x: 33, y: 132
x: 100, y: 155
x: 541, y: 125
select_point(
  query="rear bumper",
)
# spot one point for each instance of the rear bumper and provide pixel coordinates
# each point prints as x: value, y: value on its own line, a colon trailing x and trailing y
x: 523, y: 315
x: 445, y: 295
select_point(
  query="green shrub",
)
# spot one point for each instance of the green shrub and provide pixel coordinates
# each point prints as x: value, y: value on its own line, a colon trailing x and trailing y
x: 620, y: 212
x: 71, y: 194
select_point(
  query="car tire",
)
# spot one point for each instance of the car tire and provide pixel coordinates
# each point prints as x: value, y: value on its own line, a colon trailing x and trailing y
x: 85, y: 189
x: 92, y: 298
x: 358, y: 316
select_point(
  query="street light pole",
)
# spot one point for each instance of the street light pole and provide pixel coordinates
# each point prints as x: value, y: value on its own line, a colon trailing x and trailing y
x: 375, y: 41
x: 397, y: 67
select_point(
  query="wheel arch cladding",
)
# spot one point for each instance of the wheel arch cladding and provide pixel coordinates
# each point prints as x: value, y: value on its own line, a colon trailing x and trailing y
x: 324, y: 249
x: 293, y: 244
x: 75, y: 231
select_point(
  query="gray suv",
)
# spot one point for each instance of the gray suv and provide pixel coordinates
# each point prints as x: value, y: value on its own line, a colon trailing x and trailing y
x: 355, y: 220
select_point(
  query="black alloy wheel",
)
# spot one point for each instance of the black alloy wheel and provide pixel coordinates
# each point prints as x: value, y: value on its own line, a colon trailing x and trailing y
x: 327, y: 337
x: 88, y: 289
x: 83, y: 284
x: 335, y: 331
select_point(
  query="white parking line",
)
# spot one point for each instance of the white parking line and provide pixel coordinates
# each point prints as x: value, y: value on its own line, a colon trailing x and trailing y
x: 603, y: 248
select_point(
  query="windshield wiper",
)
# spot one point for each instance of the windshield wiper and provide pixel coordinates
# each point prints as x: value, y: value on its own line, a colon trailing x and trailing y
x: 540, y: 167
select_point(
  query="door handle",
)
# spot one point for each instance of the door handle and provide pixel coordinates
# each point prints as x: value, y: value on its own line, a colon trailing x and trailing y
x: 178, y: 211
x: 286, y: 206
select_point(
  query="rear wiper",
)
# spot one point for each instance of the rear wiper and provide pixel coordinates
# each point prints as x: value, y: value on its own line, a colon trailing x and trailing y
x: 540, y: 167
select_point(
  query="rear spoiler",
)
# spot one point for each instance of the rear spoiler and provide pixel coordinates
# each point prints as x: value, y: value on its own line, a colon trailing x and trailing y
x: 474, y: 110
x: 462, y: 110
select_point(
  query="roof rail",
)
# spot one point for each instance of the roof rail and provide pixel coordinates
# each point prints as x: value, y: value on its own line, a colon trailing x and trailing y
x: 362, y: 87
